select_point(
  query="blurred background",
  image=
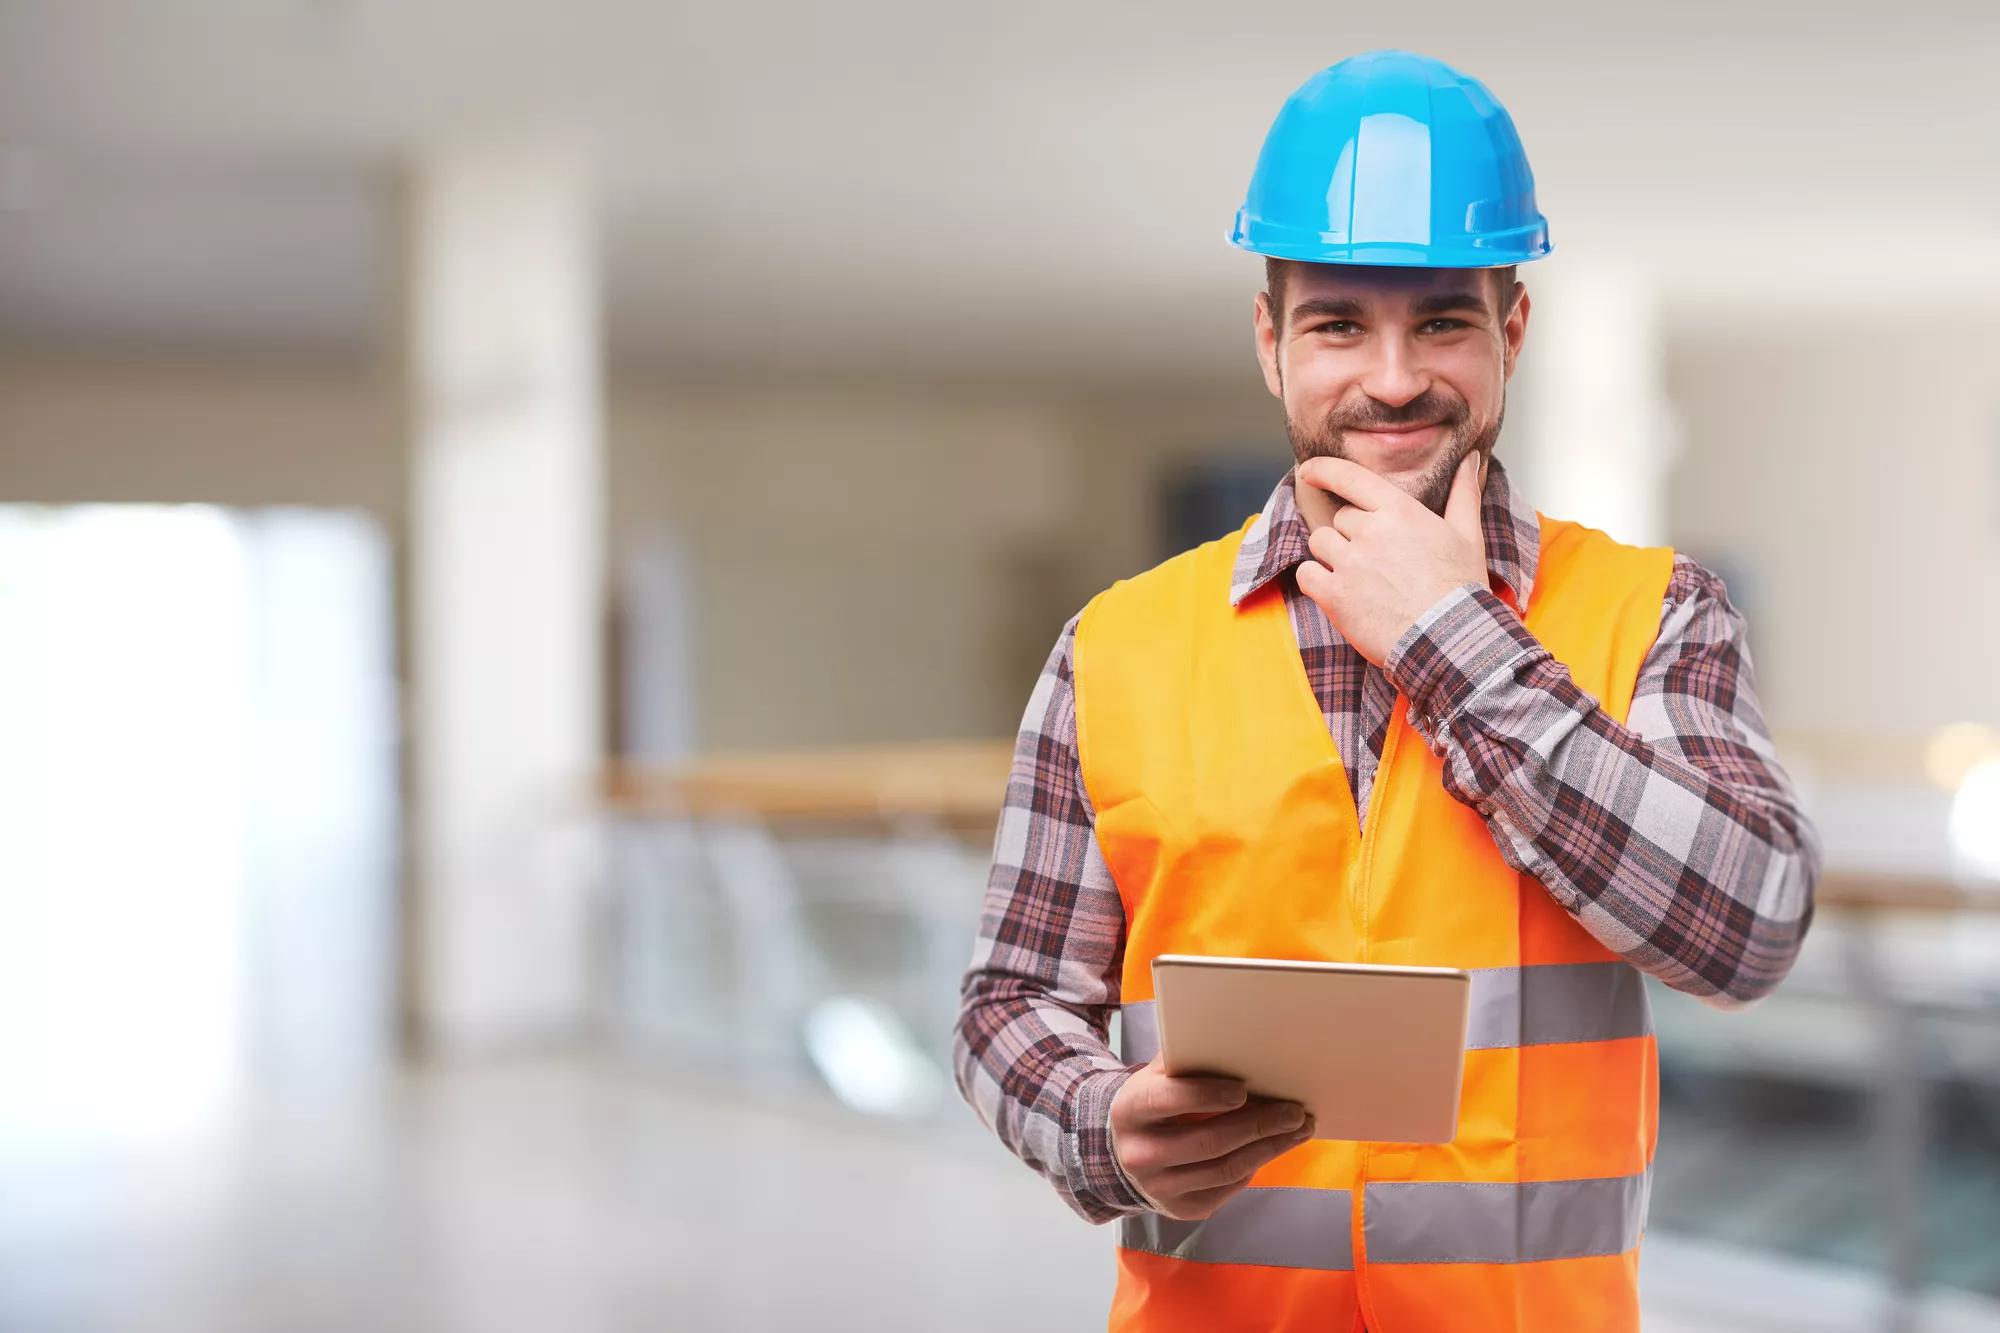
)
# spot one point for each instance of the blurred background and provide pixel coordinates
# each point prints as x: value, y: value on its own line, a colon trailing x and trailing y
x: 526, y: 532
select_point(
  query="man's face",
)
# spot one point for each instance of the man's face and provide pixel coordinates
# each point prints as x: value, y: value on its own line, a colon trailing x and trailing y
x: 1403, y: 370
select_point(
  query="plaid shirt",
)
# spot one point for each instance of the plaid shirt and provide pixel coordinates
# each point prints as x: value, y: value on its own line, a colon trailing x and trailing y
x: 1675, y: 839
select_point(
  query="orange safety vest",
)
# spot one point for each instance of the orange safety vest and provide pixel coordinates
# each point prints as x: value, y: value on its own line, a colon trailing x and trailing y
x: 1225, y: 816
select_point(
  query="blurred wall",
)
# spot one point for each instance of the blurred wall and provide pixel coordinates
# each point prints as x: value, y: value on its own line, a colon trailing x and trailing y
x: 1849, y: 460
x: 893, y: 560
x: 76, y: 428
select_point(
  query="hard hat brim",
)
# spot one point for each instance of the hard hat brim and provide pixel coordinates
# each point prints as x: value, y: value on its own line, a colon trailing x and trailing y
x: 1492, y: 250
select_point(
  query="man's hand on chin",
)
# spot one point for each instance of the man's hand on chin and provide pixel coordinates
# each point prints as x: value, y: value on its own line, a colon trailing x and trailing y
x: 1386, y: 559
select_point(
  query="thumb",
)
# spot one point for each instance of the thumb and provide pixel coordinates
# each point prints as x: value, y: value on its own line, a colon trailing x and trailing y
x: 1461, y: 507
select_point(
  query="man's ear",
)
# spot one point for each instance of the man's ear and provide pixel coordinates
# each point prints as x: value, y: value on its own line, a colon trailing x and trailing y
x: 1514, y: 332
x: 1267, y: 345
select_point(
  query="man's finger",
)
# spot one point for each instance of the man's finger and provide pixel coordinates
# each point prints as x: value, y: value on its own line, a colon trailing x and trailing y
x: 1461, y: 507
x: 1209, y: 1141
x: 1328, y: 545
x: 1170, y: 1096
x: 1315, y: 581
x: 1205, y: 1201
x: 1195, y: 1207
x: 1351, y: 482
x: 1237, y: 1165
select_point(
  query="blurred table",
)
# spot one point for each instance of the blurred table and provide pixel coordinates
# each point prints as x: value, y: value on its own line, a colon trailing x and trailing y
x: 1869, y: 891
x: 956, y: 785
x: 883, y: 828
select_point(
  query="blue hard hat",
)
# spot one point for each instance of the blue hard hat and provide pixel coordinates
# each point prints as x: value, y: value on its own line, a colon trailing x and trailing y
x: 1393, y: 158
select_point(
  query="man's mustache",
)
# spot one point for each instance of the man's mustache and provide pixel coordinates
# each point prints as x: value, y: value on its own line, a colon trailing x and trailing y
x: 1422, y: 410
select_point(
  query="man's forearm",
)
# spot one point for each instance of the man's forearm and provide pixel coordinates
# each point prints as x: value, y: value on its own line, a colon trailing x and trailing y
x: 1029, y: 1049
x: 1042, y: 1077
x: 1684, y: 852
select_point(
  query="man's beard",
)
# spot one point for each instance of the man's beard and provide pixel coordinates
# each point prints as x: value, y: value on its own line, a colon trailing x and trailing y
x: 1434, y: 487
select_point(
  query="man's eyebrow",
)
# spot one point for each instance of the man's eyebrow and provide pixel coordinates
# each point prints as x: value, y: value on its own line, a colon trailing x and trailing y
x: 1425, y: 306
x: 1332, y: 307
x: 1446, y: 303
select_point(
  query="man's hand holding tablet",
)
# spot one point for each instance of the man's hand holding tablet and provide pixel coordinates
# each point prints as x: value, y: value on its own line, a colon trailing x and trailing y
x: 1189, y: 1143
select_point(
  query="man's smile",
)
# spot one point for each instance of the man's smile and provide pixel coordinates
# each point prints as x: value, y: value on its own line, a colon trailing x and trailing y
x: 1408, y: 438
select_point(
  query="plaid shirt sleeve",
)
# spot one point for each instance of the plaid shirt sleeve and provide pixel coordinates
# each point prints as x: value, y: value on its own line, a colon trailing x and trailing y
x: 1676, y: 839
x: 1030, y: 1049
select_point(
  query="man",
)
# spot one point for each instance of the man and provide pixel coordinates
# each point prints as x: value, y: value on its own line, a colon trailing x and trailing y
x: 1399, y: 716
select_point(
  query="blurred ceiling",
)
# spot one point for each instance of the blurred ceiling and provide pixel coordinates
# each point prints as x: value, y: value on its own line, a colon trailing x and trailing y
x: 1033, y: 189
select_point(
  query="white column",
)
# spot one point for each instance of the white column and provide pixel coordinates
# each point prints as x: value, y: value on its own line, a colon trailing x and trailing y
x: 1590, y: 434
x: 505, y: 538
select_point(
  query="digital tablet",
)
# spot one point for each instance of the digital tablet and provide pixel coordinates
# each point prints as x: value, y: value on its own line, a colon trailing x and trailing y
x: 1374, y: 1052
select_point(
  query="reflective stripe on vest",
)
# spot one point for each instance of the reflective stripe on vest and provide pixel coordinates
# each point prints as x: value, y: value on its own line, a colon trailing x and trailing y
x: 1279, y: 1227
x: 1509, y: 1006
x: 1456, y: 1222
x: 1414, y: 1222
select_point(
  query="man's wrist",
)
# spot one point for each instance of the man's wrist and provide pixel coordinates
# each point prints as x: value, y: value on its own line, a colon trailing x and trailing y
x: 1461, y: 642
x: 1131, y: 1186
x: 1094, y: 1166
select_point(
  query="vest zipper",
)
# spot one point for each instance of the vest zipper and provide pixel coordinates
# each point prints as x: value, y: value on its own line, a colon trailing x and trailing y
x: 1371, y: 825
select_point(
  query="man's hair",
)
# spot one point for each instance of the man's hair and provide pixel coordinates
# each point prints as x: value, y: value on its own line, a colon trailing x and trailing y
x: 1277, y: 270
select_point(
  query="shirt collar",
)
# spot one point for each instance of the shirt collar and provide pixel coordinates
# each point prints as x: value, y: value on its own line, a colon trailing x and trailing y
x: 1276, y: 541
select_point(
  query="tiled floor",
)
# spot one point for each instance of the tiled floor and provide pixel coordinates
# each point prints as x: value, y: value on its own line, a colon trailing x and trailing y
x: 575, y: 1193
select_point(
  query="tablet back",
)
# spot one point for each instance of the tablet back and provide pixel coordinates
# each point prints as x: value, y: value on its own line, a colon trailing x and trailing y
x: 1373, y: 1052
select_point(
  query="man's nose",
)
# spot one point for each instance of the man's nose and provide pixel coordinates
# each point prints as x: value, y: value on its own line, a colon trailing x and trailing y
x: 1395, y: 377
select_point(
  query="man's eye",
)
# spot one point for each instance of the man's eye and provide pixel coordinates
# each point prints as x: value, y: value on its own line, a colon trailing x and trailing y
x: 1444, y: 325
x: 1339, y: 328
